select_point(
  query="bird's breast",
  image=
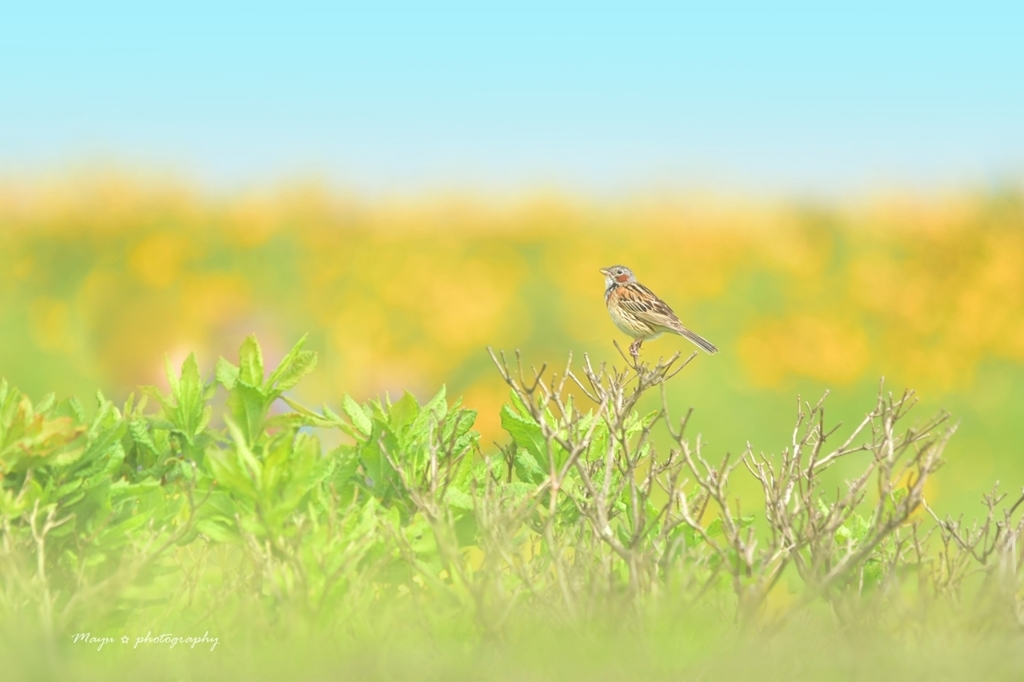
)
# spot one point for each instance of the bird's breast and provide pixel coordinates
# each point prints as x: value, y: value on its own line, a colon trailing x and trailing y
x: 628, y: 323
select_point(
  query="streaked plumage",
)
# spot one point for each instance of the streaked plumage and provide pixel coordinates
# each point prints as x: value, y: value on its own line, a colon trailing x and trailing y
x: 638, y: 312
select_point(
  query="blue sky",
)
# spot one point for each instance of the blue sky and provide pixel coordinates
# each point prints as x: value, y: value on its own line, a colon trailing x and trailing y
x: 600, y: 99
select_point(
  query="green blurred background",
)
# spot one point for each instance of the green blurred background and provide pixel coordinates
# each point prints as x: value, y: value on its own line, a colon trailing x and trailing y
x: 101, y: 278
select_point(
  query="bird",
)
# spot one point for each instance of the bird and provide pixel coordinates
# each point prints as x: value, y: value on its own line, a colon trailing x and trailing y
x: 638, y: 312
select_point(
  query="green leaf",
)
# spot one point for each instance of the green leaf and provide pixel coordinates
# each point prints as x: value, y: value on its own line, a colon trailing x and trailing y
x: 528, y: 470
x: 307, y: 417
x: 599, y: 441
x: 520, y: 490
x: 228, y: 474
x: 250, y: 362
x: 346, y: 465
x: 219, y: 532
x: 328, y: 413
x: 295, y: 365
x: 204, y: 420
x: 359, y: 418
x: 76, y: 408
x: 458, y: 424
x: 46, y: 403
x: 248, y: 406
x: 245, y: 455
x: 403, y: 412
x: 519, y: 405
x: 172, y: 376
x: 526, y: 433
x: 437, y: 405
x: 456, y: 499
x: 227, y: 374
x: 140, y: 434
x: 191, y: 384
x: 303, y: 364
x: 186, y: 409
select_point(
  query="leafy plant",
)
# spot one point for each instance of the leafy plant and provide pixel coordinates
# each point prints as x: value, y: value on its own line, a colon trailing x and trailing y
x: 590, y: 505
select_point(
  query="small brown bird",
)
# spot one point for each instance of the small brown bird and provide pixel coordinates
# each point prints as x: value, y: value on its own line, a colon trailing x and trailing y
x: 638, y: 312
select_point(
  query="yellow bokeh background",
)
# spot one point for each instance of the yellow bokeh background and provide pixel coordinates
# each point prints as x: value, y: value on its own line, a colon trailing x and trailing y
x: 101, y: 277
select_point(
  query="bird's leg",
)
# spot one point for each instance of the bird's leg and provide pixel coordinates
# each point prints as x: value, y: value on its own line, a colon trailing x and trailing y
x: 634, y: 349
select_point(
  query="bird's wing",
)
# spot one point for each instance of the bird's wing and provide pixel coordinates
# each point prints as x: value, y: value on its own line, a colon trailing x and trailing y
x: 648, y: 308
x: 655, y: 313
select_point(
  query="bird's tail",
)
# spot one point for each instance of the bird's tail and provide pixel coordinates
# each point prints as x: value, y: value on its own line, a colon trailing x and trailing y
x: 697, y: 339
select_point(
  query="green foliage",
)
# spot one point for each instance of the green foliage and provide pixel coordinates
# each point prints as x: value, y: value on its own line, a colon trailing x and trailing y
x: 250, y: 395
x: 167, y: 504
x: 94, y: 508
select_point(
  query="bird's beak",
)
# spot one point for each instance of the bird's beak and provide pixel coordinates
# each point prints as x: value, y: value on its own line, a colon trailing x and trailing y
x: 606, y: 272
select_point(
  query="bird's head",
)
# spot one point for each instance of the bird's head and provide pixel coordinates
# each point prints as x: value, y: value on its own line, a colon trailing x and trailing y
x: 617, y: 274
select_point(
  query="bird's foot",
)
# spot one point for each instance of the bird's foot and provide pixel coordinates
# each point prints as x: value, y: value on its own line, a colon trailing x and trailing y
x: 634, y: 350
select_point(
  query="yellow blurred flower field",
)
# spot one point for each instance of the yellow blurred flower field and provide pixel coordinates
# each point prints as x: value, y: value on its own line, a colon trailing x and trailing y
x: 101, y: 279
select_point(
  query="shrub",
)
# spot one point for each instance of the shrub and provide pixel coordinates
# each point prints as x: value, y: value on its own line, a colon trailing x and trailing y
x: 590, y: 507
